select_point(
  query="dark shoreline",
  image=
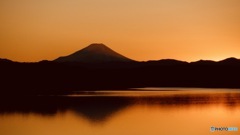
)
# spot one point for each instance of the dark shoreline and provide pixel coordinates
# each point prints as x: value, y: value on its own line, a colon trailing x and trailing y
x: 52, y: 78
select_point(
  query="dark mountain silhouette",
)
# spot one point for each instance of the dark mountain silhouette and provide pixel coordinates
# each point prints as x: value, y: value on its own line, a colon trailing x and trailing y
x: 94, y: 53
x: 97, y: 67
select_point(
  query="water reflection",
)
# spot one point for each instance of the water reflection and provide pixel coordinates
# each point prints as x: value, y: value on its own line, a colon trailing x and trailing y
x: 149, y: 112
x: 93, y: 108
x: 99, y: 108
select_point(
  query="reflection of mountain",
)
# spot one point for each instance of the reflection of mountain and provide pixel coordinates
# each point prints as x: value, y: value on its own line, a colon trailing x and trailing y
x: 100, y: 109
x: 94, y: 53
x: 95, y: 109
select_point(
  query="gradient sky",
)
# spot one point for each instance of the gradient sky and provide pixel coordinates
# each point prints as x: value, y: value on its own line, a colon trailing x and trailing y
x: 33, y: 30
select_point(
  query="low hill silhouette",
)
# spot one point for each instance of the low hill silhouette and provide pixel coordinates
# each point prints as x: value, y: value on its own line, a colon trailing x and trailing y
x: 5, y: 61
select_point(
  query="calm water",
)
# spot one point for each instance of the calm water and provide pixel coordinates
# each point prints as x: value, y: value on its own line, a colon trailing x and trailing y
x: 149, y: 111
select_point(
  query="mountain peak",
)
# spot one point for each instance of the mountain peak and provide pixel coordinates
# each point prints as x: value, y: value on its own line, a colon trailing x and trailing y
x: 98, y: 47
x: 94, y: 53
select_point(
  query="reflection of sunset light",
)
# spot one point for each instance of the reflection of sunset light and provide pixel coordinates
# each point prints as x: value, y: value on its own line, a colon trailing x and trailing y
x: 139, y: 120
x: 172, y: 114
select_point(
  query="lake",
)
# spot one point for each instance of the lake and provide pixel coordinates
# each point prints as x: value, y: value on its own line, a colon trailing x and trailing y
x: 148, y: 111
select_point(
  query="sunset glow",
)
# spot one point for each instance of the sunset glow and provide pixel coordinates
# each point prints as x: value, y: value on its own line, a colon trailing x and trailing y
x: 33, y: 30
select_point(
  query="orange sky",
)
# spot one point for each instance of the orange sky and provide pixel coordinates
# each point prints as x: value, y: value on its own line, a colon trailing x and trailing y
x: 33, y: 30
